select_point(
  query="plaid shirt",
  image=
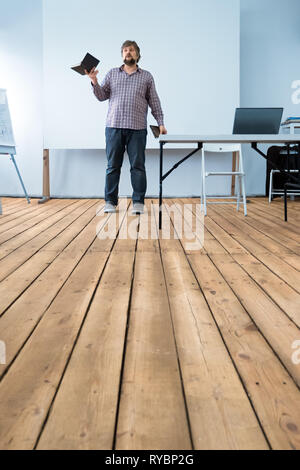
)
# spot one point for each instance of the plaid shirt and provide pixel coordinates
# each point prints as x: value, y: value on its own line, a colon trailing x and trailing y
x: 129, y: 96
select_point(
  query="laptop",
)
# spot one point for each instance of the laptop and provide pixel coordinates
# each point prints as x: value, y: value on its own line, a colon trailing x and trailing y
x: 257, y: 120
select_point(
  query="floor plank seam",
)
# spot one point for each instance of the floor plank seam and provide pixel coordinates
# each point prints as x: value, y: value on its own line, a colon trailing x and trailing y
x: 259, y: 286
x: 18, y: 221
x: 256, y: 257
x: 115, y: 434
x: 28, y: 228
x: 258, y: 329
x: 253, y: 254
x: 241, y: 302
x: 45, y: 230
x: 76, y: 339
x: 223, y: 339
x: 176, y: 347
x: 46, y: 309
x: 258, y: 230
x: 43, y: 246
x: 58, y: 254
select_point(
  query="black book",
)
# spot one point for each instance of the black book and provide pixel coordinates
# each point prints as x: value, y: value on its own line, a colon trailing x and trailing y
x: 155, y: 130
x: 87, y: 64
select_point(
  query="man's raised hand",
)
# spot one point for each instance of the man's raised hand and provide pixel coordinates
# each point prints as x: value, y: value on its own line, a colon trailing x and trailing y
x: 93, y: 75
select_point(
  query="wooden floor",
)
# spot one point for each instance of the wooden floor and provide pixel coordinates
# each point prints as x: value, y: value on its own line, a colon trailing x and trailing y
x: 116, y: 342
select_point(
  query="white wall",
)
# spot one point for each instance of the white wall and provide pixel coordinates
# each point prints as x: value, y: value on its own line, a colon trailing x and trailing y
x: 270, y: 57
x: 21, y: 74
x: 269, y: 65
x: 186, y: 46
x: 81, y: 173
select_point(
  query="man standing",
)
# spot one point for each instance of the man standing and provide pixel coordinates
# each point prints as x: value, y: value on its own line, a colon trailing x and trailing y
x: 130, y: 91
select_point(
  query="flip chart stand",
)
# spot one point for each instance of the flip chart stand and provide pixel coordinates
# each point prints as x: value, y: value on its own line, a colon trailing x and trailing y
x: 11, y: 151
x: 7, y: 142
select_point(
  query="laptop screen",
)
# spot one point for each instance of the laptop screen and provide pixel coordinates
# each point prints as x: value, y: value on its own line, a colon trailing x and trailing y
x: 257, y: 120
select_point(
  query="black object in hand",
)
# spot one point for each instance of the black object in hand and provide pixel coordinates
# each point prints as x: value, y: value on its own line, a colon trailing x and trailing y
x: 88, y: 63
x: 155, y: 130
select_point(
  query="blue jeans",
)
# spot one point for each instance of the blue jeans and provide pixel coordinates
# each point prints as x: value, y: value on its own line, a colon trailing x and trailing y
x: 134, y: 141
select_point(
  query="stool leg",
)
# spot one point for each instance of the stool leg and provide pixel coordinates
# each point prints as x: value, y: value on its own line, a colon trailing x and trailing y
x: 241, y: 169
x: 238, y: 182
x: 238, y: 192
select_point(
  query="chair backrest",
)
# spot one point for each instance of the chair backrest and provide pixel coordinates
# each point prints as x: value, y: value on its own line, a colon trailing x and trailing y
x: 222, y: 147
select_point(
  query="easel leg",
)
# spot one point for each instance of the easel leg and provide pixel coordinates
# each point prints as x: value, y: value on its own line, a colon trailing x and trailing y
x: 20, y: 178
x: 46, y: 178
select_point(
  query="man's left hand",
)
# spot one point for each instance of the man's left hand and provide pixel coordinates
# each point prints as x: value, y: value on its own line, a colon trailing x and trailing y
x: 162, y: 130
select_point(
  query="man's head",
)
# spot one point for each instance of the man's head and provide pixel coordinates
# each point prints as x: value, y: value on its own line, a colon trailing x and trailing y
x: 130, y: 52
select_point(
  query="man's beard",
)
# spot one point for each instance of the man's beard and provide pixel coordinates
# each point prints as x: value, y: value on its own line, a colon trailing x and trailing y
x: 128, y: 61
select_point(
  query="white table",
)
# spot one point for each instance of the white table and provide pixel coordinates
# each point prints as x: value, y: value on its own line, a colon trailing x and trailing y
x: 199, y: 140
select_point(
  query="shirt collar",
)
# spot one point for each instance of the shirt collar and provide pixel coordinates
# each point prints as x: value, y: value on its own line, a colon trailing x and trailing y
x: 122, y: 68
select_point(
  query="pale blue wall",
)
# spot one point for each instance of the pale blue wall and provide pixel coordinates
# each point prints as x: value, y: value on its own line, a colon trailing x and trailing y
x: 270, y: 62
x: 21, y: 51
x: 270, y: 46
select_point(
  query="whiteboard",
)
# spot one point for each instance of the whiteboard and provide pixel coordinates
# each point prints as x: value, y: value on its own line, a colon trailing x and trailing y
x: 191, y: 48
x: 6, y: 131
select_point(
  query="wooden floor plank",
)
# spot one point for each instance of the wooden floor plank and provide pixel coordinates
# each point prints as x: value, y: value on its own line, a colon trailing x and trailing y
x: 276, y: 208
x: 151, y: 385
x: 8, y: 206
x: 292, y: 260
x: 15, y: 257
x: 282, y: 431
x: 149, y: 344
x: 24, y: 403
x: 91, y: 383
x: 18, y: 323
x: 250, y: 235
x: 44, y: 357
x: 273, y: 323
x: 283, y: 235
x: 278, y: 266
x: 13, y: 229
x: 25, y: 275
x: 284, y: 296
x: 288, y: 228
x: 23, y: 237
x: 26, y: 213
x: 271, y: 390
x: 213, y: 389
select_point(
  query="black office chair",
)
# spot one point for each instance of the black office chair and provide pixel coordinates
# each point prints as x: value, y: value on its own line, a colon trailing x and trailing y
x: 286, y: 160
x: 291, y: 186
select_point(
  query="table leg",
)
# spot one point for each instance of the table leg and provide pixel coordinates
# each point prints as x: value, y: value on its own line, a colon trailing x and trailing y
x: 46, y: 178
x: 160, y: 183
x: 233, y: 178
